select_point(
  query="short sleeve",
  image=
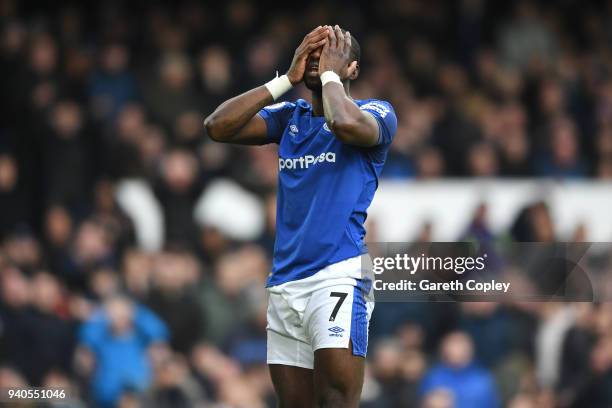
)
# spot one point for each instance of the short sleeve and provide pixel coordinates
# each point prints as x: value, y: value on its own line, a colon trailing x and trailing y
x: 277, y: 116
x: 385, y: 116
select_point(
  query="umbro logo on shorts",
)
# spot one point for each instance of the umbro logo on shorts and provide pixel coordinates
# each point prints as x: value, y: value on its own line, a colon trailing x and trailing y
x: 336, y: 331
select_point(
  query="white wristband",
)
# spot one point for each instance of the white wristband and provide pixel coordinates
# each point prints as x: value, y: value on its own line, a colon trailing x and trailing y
x: 330, y: 76
x: 278, y: 86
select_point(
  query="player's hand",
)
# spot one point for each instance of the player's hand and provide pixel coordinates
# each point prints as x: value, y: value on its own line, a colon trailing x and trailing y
x: 336, y: 54
x: 313, y: 40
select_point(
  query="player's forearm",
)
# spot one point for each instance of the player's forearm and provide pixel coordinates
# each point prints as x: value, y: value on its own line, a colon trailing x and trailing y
x: 342, y: 115
x: 233, y: 114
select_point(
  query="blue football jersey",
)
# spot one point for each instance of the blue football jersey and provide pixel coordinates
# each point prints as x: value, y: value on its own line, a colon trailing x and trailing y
x: 324, y: 187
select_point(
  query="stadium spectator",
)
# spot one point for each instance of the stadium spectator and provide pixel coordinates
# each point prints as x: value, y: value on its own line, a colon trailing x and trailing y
x: 563, y: 158
x: 178, y: 190
x: 215, y: 75
x: 469, y: 385
x: 171, y: 296
x: 51, y: 335
x: 114, y: 348
x: 238, y: 278
x: 171, y: 92
x: 67, y: 157
x: 16, y: 320
x: 174, y: 386
x: 113, y: 85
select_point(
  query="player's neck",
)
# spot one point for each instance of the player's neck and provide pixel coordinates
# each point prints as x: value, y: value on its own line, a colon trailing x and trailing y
x: 317, y: 100
x: 317, y: 103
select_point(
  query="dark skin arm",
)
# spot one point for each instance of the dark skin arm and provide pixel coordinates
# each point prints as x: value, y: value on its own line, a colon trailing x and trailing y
x: 349, y: 124
x: 236, y: 120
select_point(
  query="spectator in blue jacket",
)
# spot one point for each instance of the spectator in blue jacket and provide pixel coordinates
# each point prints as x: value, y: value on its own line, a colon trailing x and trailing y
x: 458, y: 376
x: 115, y: 343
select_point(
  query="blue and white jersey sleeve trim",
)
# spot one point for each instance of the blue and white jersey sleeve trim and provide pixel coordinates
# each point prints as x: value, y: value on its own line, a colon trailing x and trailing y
x: 385, y: 116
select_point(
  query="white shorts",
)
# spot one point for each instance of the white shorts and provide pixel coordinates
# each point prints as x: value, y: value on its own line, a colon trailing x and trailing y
x: 325, y: 310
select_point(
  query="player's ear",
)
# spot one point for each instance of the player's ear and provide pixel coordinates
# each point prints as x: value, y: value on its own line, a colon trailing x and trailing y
x: 353, y: 70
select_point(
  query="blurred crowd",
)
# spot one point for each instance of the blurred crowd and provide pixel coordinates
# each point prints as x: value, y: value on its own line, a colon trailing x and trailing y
x: 98, y: 94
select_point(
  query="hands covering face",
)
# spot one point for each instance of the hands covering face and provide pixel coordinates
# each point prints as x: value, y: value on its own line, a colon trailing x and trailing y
x: 313, y: 40
x: 335, y: 55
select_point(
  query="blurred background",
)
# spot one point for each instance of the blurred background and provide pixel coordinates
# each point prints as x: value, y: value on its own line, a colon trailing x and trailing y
x: 134, y: 251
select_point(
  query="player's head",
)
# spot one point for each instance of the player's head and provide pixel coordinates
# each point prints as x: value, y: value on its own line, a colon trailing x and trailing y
x: 311, y: 74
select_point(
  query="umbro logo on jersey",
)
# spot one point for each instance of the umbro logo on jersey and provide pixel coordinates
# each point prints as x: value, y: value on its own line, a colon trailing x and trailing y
x: 305, y: 162
x: 336, y: 331
x: 293, y: 130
